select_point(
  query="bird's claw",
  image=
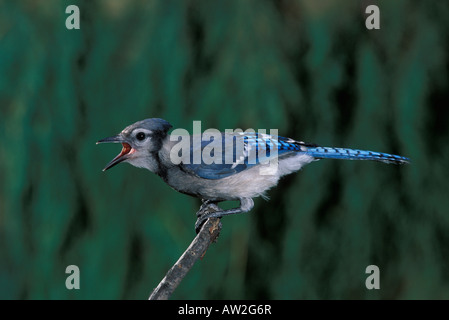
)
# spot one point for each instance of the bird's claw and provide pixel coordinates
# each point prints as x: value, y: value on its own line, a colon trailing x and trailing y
x: 199, y: 223
x: 207, y: 209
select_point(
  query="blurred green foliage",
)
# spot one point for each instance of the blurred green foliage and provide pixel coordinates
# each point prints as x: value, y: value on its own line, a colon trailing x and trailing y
x: 308, y: 68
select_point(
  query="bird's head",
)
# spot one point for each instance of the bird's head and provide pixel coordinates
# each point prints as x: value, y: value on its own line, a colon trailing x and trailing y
x: 140, y: 141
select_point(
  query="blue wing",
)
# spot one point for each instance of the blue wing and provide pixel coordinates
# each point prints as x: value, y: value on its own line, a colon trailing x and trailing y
x: 237, y: 152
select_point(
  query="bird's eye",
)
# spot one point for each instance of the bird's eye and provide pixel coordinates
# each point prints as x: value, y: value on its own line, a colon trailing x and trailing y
x: 140, y: 136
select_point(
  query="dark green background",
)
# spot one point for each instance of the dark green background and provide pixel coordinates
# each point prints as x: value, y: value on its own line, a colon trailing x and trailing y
x: 307, y: 68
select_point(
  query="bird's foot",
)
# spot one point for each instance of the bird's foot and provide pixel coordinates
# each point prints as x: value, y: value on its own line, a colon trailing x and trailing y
x: 207, y: 210
x: 207, y: 207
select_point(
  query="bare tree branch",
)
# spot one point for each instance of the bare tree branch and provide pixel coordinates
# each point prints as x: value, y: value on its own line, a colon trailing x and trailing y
x: 197, y: 249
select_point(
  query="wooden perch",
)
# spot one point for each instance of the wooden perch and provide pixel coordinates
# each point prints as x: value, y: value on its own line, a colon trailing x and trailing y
x: 197, y: 249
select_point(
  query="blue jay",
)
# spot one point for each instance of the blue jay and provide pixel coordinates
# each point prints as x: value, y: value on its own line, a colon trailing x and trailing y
x: 147, y: 144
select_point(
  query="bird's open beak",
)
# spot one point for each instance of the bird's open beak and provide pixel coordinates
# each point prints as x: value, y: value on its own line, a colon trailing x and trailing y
x: 123, y: 155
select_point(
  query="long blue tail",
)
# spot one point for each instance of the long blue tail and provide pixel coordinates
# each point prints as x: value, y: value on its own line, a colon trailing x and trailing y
x: 353, y: 154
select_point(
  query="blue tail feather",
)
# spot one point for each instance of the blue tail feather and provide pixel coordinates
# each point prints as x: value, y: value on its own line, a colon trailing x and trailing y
x: 353, y: 154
